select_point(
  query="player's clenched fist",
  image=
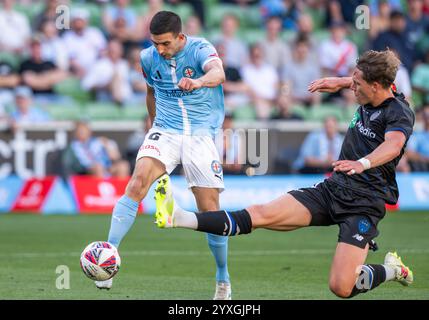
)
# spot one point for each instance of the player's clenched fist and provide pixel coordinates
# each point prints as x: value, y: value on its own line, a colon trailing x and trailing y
x: 187, y: 84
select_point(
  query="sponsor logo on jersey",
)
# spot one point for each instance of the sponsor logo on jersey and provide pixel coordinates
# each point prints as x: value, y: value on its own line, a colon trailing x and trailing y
x: 365, y: 131
x: 176, y: 93
x: 375, y: 115
x: 355, y: 119
x: 189, y: 72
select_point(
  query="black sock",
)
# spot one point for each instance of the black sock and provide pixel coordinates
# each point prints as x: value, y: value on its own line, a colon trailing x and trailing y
x: 225, y: 223
x: 370, y: 277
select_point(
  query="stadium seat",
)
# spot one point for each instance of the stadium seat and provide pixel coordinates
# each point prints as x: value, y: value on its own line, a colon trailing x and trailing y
x: 102, y: 111
x: 10, y: 58
x: 60, y: 112
x: 134, y: 113
x: 244, y: 113
x: 300, y: 110
x: 71, y: 87
x: 319, y: 113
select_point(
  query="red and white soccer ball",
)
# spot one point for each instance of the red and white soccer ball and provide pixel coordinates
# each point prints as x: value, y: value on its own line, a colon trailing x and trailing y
x: 100, y: 260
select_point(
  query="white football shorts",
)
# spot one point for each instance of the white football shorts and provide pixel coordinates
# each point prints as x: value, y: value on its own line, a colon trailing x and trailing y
x: 197, y: 154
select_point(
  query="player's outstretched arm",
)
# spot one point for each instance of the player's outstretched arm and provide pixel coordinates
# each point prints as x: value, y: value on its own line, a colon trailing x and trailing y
x: 214, y: 76
x: 330, y: 84
x: 150, y: 103
x: 385, y: 152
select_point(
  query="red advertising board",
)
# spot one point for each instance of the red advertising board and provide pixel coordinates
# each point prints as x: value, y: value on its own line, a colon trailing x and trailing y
x: 94, y: 196
x: 33, y: 195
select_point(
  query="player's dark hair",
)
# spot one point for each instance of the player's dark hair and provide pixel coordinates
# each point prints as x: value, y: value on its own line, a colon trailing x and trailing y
x: 165, y: 22
x: 379, y: 66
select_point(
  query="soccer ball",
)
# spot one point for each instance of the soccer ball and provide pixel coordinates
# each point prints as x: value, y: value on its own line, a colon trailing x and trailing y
x: 100, y: 261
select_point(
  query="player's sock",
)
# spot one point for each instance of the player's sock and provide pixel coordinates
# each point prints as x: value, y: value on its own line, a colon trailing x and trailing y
x: 123, y: 217
x: 219, y: 248
x: 370, y: 277
x: 225, y: 223
x: 184, y: 219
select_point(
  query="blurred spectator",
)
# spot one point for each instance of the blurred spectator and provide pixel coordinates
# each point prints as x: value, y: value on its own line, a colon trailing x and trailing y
x: 241, y: 2
x: 287, y: 10
x: 263, y: 81
x: 236, y: 50
x: 417, y: 22
x: 9, y: 79
x: 109, y: 76
x: 342, y: 10
x: 48, y: 13
x: 305, y: 29
x: 193, y: 27
x: 380, y: 18
x: 40, y: 75
x: 337, y: 57
x: 197, y: 5
x: 231, y: 149
x: 420, y: 78
x: 153, y: 7
x: 396, y: 38
x: 122, y: 23
x: 426, y: 7
x: 418, y: 146
x: 14, y: 29
x: 320, y: 149
x: 298, y: 73
x: 83, y: 43
x: 137, y: 82
x: 337, y: 54
x: 25, y: 112
x: 135, y: 140
x: 235, y: 90
x: 285, y: 109
x: 53, y: 47
x: 97, y: 156
x: 374, y: 6
x: 403, y: 82
x: 275, y: 49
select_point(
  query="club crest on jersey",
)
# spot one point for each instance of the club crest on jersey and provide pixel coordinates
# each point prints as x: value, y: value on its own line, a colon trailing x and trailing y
x: 216, y: 167
x: 189, y: 72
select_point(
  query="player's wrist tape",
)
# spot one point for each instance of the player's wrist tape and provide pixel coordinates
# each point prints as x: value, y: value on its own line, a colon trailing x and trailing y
x: 365, y: 163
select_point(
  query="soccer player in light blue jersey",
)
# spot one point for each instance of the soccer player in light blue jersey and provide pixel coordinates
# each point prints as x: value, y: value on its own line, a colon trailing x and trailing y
x: 185, y: 103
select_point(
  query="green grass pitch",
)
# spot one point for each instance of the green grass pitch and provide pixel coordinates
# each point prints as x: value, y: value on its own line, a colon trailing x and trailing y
x: 176, y: 264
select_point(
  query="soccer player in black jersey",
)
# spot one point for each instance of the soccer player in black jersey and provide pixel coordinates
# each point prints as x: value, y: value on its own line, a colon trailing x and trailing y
x: 354, y: 197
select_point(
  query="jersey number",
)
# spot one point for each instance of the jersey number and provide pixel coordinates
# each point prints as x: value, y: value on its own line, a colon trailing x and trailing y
x: 154, y: 136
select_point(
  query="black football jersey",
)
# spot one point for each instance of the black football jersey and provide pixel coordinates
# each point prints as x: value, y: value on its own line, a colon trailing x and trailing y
x: 365, y: 133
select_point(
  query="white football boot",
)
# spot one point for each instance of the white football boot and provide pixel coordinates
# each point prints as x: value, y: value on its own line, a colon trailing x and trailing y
x: 223, y: 291
x: 403, y: 274
x: 106, y: 284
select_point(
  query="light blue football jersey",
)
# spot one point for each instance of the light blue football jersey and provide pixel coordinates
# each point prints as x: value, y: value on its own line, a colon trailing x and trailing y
x: 196, y: 112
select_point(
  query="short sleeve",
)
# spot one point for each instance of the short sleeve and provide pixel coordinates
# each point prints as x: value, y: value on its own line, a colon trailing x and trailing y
x: 146, y: 64
x: 205, y: 53
x: 400, y: 118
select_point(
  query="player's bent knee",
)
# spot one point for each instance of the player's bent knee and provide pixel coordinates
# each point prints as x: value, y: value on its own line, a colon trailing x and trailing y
x: 261, y: 216
x: 340, y: 289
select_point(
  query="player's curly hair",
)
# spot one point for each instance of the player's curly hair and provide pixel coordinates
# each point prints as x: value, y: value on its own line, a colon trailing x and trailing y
x: 379, y: 66
x: 165, y: 22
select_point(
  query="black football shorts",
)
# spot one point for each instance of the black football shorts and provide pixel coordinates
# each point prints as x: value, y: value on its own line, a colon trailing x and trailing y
x: 357, y: 215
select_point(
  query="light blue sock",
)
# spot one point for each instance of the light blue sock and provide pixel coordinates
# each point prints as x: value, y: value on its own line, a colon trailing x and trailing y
x: 123, y: 217
x: 219, y: 247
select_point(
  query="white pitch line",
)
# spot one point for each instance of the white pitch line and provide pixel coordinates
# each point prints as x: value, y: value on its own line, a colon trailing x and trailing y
x: 232, y: 253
